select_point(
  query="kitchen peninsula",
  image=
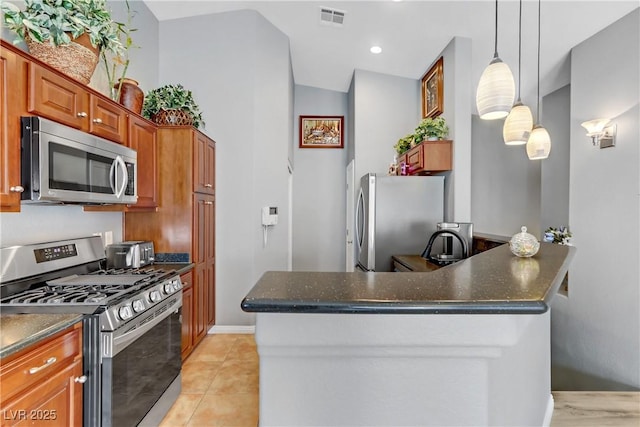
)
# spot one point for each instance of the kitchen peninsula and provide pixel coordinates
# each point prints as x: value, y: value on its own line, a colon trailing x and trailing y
x: 468, y: 344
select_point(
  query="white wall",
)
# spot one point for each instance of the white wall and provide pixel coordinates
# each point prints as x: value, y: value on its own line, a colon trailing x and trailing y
x: 319, y: 188
x: 596, y: 330
x: 240, y: 76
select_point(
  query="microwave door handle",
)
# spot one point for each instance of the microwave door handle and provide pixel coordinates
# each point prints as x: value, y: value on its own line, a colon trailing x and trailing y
x: 112, y: 178
x: 125, y: 176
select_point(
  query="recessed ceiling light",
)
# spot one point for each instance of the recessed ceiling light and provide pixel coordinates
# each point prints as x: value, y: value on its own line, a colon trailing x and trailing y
x: 375, y: 49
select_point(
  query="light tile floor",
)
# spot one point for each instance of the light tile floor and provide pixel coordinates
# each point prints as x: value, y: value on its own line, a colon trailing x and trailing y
x: 220, y: 388
x: 219, y: 385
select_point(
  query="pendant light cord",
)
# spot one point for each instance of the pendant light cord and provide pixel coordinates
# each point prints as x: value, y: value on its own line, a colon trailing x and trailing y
x: 538, y: 97
x: 519, y: 49
x: 495, y: 49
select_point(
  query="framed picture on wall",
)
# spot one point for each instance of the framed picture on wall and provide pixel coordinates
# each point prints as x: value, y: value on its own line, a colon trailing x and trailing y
x: 321, y: 131
x: 432, y: 90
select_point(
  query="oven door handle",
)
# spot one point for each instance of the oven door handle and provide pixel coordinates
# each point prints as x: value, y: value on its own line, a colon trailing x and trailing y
x: 113, y: 346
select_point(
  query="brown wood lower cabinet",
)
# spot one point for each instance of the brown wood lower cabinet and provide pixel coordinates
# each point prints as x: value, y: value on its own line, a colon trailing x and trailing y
x: 187, y: 314
x: 41, y: 385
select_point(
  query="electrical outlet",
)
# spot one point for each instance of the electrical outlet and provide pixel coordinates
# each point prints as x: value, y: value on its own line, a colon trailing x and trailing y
x: 108, y: 238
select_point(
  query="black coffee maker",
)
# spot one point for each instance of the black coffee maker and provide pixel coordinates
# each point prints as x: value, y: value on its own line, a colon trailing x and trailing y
x: 450, y: 243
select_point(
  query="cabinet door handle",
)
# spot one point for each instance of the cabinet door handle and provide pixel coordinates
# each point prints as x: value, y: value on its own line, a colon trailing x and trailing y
x: 208, y: 203
x: 17, y: 189
x: 81, y: 380
x: 209, y: 185
x: 98, y: 120
x: 50, y: 361
x: 82, y: 114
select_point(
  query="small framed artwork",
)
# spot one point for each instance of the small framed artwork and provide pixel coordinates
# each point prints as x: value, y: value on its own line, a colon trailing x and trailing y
x: 432, y: 90
x: 321, y: 131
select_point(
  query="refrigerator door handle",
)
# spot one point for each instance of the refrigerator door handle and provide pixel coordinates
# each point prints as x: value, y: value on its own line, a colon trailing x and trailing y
x: 359, y: 207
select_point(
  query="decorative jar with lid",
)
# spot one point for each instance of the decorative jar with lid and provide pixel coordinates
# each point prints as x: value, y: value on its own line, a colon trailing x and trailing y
x: 524, y: 244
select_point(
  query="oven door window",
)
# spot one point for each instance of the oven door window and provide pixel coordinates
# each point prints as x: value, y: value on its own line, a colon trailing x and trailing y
x: 78, y: 170
x: 135, y: 378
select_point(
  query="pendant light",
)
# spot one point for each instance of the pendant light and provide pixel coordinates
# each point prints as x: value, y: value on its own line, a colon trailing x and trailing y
x: 517, y: 126
x: 539, y: 143
x: 496, y: 89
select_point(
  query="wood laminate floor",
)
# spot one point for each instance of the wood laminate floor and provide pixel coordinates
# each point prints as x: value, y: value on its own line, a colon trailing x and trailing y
x: 220, y: 388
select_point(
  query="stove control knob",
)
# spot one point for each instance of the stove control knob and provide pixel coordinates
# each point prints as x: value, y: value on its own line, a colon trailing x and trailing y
x: 138, y: 305
x: 177, y: 284
x: 125, y: 312
x: 169, y: 288
x: 155, y: 296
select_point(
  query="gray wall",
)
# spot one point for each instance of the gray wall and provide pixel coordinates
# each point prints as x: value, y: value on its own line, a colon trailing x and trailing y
x: 505, y: 190
x: 386, y: 108
x: 144, y: 59
x: 457, y: 112
x: 554, y: 187
x: 596, y: 330
x: 240, y: 76
x: 44, y: 223
x: 319, y: 188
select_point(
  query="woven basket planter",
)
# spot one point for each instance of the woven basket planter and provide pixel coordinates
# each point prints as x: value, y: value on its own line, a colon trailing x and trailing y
x: 77, y: 60
x: 172, y: 118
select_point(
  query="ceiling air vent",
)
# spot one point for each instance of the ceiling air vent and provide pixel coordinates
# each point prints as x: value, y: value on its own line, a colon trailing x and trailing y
x: 330, y: 16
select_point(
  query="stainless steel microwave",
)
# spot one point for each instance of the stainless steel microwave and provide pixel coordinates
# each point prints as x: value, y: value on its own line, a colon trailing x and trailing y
x: 64, y: 165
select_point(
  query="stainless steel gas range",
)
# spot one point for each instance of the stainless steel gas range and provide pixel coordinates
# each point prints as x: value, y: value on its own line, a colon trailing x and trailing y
x: 131, y: 324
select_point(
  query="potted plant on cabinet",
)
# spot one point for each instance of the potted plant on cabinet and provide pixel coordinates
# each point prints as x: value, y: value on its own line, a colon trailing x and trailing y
x: 172, y: 105
x: 431, y: 129
x: 404, y: 144
x: 66, y: 34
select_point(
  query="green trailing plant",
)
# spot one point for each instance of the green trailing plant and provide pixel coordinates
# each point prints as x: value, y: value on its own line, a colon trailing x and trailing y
x: 117, y: 64
x: 431, y: 128
x: 404, y: 144
x: 58, y: 22
x: 172, y: 97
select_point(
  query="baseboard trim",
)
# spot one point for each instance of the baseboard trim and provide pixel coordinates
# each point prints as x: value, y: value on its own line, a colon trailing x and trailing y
x: 231, y: 329
x: 549, y: 412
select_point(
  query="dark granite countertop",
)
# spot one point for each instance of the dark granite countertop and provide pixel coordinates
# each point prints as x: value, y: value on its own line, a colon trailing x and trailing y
x: 180, y: 268
x: 492, y: 282
x: 18, y: 331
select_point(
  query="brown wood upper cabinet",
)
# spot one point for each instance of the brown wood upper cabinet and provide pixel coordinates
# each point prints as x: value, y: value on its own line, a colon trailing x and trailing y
x: 58, y: 98
x: 429, y: 157
x: 142, y: 138
x: 205, y: 177
x: 12, y: 96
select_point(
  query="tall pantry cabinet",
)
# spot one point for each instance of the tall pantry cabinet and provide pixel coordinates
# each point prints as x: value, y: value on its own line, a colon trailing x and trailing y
x: 184, y: 223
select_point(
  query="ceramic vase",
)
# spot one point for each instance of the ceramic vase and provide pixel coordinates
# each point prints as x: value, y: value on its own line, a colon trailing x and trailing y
x: 131, y: 96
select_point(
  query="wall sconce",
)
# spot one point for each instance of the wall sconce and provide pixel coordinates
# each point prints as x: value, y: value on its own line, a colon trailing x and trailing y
x: 602, y: 133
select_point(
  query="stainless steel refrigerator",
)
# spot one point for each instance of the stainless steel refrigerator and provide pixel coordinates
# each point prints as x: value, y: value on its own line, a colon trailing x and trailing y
x: 396, y: 215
